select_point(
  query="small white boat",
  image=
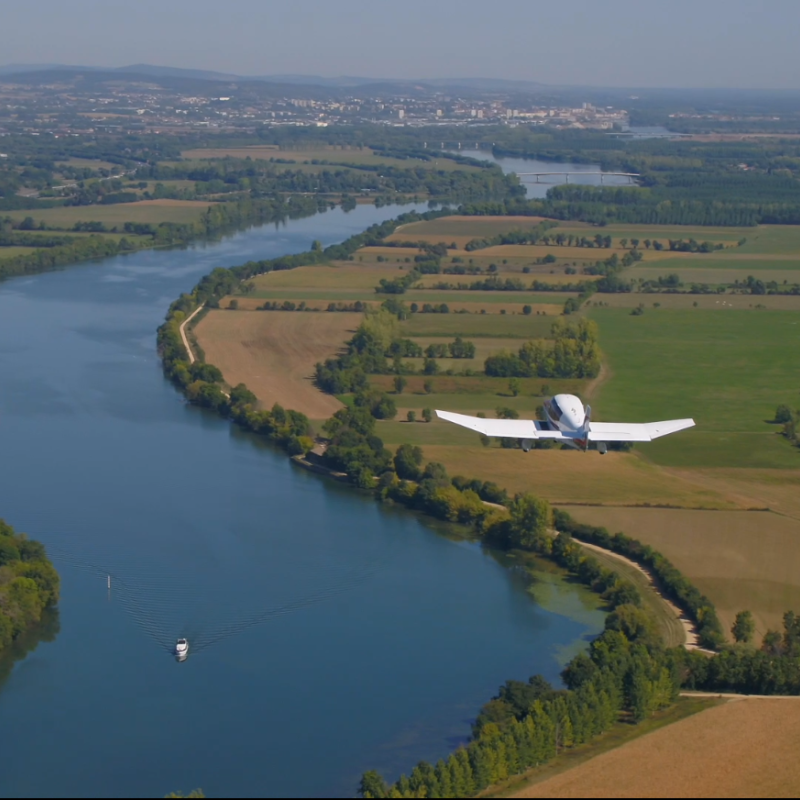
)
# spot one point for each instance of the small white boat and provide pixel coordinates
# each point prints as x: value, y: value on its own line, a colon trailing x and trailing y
x: 182, y: 649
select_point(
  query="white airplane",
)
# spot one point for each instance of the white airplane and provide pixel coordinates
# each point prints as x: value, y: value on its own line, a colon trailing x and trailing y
x: 568, y: 422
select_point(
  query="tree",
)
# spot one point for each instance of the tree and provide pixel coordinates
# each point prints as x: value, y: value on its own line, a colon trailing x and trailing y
x: 408, y: 462
x: 372, y: 785
x: 744, y: 627
x: 526, y: 310
x: 430, y: 366
x: 427, y: 414
x: 400, y: 383
x: 428, y: 386
x: 411, y: 416
x: 515, y: 386
x: 783, y: 414
x: 531, y: 518
x: 772, y: 643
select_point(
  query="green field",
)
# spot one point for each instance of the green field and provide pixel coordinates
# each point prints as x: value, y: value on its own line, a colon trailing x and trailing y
x: 726, y: 370
x: 356, y: 156
x: 478, y: 325
x: 511, y: 300
x: 152, y: 211
x: 785, y: 272
x: 10, y: 252
x: 472, y: 227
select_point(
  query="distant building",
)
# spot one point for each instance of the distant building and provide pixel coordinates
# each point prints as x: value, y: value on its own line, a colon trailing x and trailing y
x: 401, y: 114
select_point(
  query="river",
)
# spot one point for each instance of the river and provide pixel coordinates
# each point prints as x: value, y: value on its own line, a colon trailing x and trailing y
x: 587, y: 174
x: 330, y: 635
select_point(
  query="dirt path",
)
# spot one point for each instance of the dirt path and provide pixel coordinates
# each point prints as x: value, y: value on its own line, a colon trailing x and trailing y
x: 602, y: 376
x: 188, y: 319
x: 692, y: 641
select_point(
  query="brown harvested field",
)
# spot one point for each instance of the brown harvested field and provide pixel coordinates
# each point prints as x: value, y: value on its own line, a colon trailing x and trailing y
x: 743, y: 560
x: 742, y: 748
x: 275, y: 353
x: 564, y: 476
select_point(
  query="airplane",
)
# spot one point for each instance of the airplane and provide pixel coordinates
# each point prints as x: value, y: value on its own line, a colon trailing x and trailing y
x: 568, y: 422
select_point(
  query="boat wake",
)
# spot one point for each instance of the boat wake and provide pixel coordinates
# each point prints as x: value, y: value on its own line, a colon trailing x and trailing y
x: 210, y: 598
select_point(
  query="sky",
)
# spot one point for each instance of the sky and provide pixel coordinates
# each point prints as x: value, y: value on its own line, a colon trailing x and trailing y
x: 628, y: 43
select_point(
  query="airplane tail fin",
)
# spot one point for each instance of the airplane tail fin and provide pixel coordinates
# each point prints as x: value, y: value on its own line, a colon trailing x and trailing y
x: 587, y: 426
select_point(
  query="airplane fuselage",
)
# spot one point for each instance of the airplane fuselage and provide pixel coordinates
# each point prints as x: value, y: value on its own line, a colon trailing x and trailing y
x: 565, y: 412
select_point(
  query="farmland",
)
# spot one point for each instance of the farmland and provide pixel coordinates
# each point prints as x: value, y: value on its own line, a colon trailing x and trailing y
x: 363, y: 156
x: 274, y: 354
x: 727, y: 369
x: 145, y: 211
x: 741, y: 559
x: 741, y: 748
x: 720, y: 358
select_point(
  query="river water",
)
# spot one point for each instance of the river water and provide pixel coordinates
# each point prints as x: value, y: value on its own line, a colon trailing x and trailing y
x: 586, y: 174
x: 329, y: 635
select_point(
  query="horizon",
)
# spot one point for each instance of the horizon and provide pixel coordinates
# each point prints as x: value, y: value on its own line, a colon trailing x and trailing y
x: 17, y: 68
x: 623, y: 46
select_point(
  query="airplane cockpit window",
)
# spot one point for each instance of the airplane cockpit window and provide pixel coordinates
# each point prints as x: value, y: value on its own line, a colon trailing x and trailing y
x: 556, y: 412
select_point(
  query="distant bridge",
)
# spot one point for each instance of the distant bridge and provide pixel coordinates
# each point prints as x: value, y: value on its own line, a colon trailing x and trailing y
x: 630, y: 175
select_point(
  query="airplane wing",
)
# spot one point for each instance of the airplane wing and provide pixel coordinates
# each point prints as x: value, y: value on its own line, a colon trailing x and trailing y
x: 635, y: 432
x: 504, y: 428
x: 597, y: 431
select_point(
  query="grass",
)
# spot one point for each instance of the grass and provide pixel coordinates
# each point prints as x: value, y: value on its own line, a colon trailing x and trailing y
x: 152, y: 211
x: 473, y: 326
x: 727, y: 370
x: 91, y: 163
x: 339, y: 278
x: 619, y: 735
x: 713, y: 273
x: 10, y: 252
x: 356, y: 156
x: 717, y: 302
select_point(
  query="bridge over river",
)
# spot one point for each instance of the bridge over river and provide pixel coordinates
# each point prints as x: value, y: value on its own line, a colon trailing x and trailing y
x: 630, y: 175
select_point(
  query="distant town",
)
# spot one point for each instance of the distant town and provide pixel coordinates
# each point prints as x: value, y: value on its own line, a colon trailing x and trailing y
x: 66, y: 105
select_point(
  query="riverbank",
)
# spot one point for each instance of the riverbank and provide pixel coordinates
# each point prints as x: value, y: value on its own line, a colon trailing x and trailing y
x: 297, y: 565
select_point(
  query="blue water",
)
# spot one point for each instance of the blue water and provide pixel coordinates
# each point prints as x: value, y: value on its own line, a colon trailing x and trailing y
x: 586, y: 174
x: 329, y: 634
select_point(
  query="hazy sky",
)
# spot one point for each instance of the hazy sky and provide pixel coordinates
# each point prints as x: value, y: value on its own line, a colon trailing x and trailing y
x: 674, y: 43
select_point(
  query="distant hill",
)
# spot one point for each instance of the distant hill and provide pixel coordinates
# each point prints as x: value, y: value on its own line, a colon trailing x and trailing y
x: 339, y: 82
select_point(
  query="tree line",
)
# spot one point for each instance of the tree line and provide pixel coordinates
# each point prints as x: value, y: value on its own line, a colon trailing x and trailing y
x: 218, y: 219
x: 575, y: 353
x: 29, y: 584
